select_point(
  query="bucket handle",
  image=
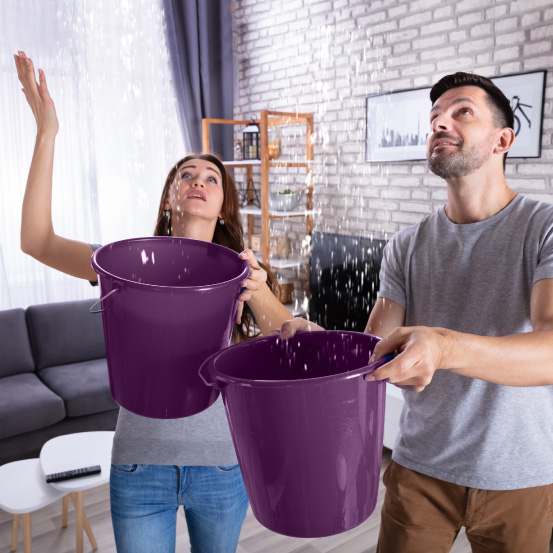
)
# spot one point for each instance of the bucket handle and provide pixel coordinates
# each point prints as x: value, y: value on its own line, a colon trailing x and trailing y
x: 376, y: 365
x: 204, y: 375
x: 235, y: 312
x: 102, y: 299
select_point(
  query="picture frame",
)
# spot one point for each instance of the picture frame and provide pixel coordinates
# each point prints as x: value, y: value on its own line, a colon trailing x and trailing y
x: 526, y: 92
x: 397, y: 123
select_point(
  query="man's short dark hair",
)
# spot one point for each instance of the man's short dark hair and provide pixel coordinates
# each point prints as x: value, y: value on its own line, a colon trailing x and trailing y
x: 500, y: 106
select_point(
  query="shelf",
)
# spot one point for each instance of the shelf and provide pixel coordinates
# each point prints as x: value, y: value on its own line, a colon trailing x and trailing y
x: 243, y: 163
x: 285, y: 262
x: 291, y: 163
x: 300, y: 157
x: 284, y: 214
x: 288, y: 262
x: 250, y: 210
x: 277, y: 214
x: 275, y: 163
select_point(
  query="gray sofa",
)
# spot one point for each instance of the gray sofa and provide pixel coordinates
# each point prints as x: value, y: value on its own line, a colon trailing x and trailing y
x: 53, y: 376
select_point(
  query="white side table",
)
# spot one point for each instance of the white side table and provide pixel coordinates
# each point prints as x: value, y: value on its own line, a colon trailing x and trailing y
x: 74, y: 451
x: 24, y: 490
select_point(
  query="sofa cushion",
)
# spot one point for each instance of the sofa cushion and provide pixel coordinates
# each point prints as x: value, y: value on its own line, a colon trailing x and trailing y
x: 15, y: 349
x: 63, y: 333
x: 83, y: 386
x: 27, y: 404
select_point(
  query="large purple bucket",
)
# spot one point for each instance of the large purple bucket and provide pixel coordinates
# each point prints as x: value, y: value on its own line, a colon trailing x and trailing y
x: 167, y: 305
x: 306, y: 426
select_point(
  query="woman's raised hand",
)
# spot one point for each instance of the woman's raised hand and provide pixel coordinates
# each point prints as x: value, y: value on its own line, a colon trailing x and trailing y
x: 37, y: 95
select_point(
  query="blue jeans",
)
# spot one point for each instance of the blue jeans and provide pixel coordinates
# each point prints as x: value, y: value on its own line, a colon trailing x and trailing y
x: 145, y: 500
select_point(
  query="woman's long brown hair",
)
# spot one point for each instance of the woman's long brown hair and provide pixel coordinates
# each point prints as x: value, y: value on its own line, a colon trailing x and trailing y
x: 229, y: 235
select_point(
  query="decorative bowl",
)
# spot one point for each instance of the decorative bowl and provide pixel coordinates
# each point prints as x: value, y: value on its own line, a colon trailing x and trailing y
x: 279, y: 201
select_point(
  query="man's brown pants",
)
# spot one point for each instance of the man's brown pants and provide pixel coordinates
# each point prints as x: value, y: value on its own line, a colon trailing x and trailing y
x: 424, y: 515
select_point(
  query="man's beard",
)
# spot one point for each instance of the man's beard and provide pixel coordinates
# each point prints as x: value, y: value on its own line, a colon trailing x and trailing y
x: 462, y: 162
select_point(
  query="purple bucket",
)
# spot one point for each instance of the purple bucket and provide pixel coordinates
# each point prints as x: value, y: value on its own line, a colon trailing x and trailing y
x: 167, y: 305
x: 306, y: 426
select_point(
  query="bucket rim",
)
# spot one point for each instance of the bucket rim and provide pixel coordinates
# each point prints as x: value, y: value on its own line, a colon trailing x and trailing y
x: 100, y: 271
x: 260, y: 383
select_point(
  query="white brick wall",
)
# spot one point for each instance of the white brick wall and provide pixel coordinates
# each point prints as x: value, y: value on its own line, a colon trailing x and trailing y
x: 326, y: 56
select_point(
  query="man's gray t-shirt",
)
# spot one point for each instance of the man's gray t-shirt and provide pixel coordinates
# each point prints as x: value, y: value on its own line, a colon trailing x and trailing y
x: 475, y: 278
x: 199, y: 440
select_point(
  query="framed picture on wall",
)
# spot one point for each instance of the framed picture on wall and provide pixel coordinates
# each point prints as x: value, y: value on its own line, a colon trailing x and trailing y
x: 397, y: 123
x: 526, y: 92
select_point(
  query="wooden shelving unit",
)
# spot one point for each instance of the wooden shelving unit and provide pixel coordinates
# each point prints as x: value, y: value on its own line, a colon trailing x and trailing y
x: 272, y: 119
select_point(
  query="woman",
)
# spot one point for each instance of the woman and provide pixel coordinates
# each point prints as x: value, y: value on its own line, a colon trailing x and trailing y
x: 161, y: 464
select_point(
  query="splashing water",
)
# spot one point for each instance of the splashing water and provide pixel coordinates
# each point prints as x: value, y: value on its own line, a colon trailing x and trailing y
x: 329, y: 73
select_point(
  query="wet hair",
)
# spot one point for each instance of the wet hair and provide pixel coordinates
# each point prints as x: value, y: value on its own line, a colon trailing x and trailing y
x: 502, y: 113
x: 229, y: 235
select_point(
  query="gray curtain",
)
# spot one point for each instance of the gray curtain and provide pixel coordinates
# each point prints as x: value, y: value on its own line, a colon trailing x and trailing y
x: 199, y: 36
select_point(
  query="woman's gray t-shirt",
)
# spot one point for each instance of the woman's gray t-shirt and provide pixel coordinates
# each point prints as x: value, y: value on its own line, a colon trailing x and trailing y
x: 475, y: 278
x: 202, y: 439
x: 199, y: 440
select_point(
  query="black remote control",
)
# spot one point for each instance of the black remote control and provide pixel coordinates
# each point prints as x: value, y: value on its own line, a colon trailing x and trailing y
x: 70, y: 474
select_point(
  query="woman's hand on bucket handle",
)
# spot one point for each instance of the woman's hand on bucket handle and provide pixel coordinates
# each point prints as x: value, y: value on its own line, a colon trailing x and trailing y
x: 297, y: 324
x: 258, y: 277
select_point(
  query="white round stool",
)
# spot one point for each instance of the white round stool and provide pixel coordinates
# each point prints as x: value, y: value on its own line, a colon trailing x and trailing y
x: 22, y: 491
x: 78, y: 450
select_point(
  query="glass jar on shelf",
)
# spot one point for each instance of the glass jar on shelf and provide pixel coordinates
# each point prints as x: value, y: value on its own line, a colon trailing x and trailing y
x: 275, y: 144
x: 238, y: 150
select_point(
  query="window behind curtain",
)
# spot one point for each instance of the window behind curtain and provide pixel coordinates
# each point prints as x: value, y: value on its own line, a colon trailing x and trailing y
x: 108, y: 72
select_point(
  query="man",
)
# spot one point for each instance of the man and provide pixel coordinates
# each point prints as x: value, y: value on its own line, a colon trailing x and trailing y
x: 466, y: 299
